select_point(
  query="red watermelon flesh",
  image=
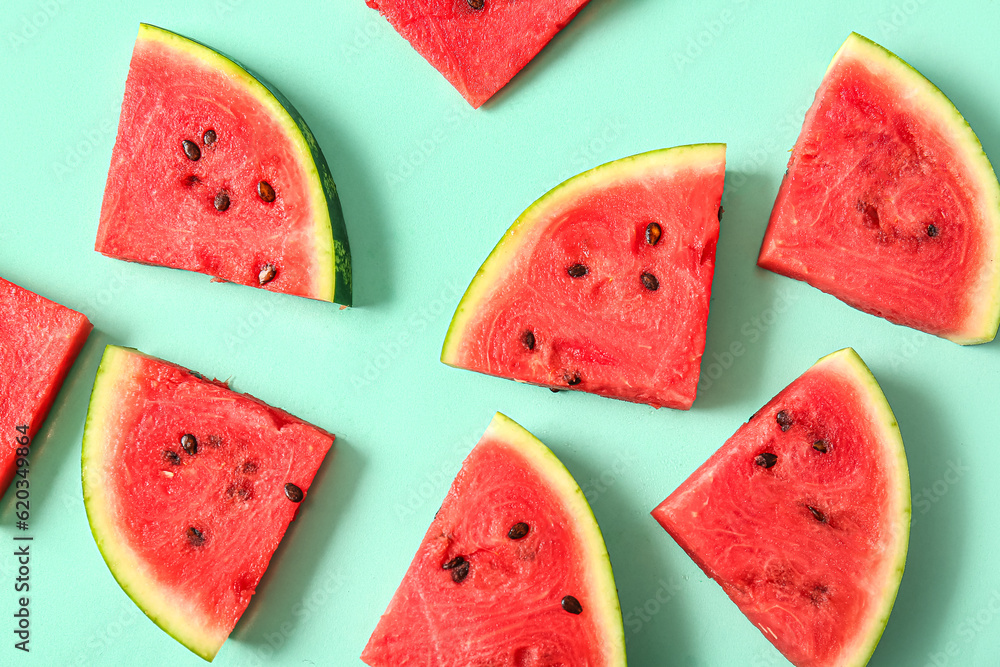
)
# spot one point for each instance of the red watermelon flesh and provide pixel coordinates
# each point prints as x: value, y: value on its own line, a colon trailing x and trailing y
x: 189, y: 488
x: 215, y: 172
x: 478, y: 45
x: 889, y: 202
x: 578, y: 294
x: 39, y: 340
x: 489, y: 583
x: 803, y: 515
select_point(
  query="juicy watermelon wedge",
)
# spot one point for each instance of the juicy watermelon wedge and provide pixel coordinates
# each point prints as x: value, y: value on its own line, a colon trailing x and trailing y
x: 189, y: 488
x: 603, y: 284
x: 889, y: 202
x: 512, y: 571
x: 803, y: 515
x: 39, y: 341
x: 215, y: 171
x: 478, y: 45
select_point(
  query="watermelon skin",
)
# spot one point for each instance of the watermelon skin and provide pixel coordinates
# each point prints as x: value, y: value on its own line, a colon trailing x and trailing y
x: 507, y: 611
x: 159, y: 205
x: 605, y: 332
x: 882, y: 157
x: 142, y: 505
x: 478, y: 51
x: 820, y: 588
x: 39, y: 341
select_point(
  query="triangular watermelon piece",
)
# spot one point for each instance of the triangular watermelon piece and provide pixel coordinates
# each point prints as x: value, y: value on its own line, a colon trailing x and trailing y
x: 479, y: 45
x: 189, y: 488
x: 803, y: 516
x: 603, y: 285
x: 39, y: 340
x: 889, y: 202
x: 215, y: 171
x: 512, y: 571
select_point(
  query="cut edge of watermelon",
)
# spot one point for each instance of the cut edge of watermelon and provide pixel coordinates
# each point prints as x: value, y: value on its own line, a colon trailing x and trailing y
x: 983, y: 322
x: 505, y: 430
x: 514, y: 238
x: 849, y: 363
x: 128, y: 570
x: 332, y: 251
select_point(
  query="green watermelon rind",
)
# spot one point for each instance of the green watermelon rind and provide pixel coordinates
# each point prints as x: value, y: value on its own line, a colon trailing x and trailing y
x: 333, y: 250
x: 514, y: 238
x: 849, y: 363
x: 982, y: 324
x: 127, y: 569
x: 551, y: 469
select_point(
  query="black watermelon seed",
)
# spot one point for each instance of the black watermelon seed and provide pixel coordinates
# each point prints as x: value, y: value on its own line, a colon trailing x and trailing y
x: 195, y: 537
x: 518, y: 530
x: 528, y: 340
x: 249, y: 467
x: 572, y: 605
x: 293, y: 493
x: 244, y: 490
x: 577, y: 271
x: 460, y: 572
x: 267, y: 274
x: 191, y: 150
x: 554, y: 390
x: 265, y: 191
x: 821, y: 446
x: 650, y: 282
x: 766, y: 460
x: 476, y: 4
x: 209, y: 137
x: 653, y: 232
x: 197, y: 375
x: 172, y: 457
x: 784, y: 420
x: 932, y: 231
x: 189, y: 444
x: 221, y: 201
x: 819, y: 516
x: 572, y: 379
x: 453, y: 563
x: 720, y: 214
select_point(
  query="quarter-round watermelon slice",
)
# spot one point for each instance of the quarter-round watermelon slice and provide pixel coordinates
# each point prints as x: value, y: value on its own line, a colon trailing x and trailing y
x: 803, y: 516
x: 512, y: 571
x: 603, y: 284
x: 889, y: 202
x: 478, y: 45
x: 189, y: 488
x: 39, y: 340
x: 215, y: 171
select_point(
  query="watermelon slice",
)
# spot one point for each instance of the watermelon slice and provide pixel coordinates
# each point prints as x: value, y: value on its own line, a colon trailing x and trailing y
x: 603, y: 284
x: 512, y: 571
x: 803, y: 516
x: 479, y: 45
x: 214, y: 171
x: 889, y: 203
x: 39, y: 340
x: 189, y: 488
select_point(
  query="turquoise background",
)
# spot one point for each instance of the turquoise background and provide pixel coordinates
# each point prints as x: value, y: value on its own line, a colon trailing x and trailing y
x: 428, y: 186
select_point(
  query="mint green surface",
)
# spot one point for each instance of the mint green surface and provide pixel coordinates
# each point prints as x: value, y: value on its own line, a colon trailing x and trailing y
x: 428, y: 186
